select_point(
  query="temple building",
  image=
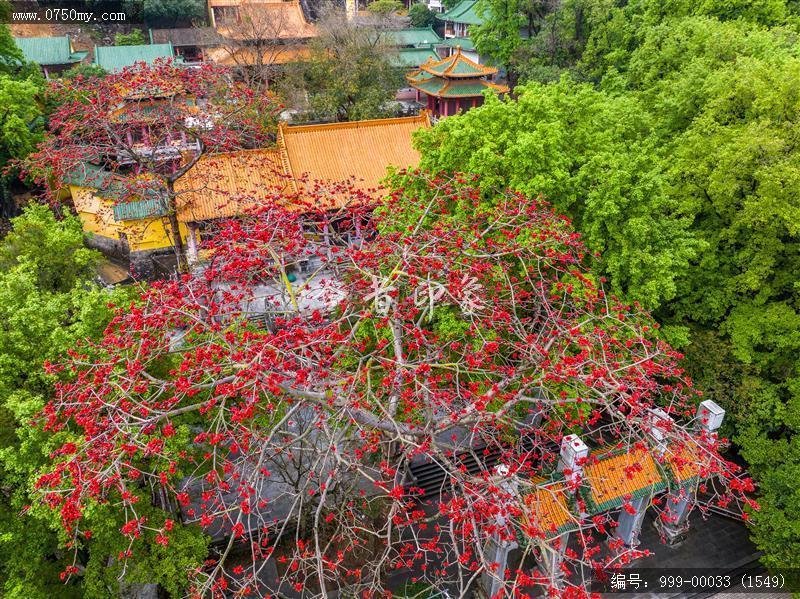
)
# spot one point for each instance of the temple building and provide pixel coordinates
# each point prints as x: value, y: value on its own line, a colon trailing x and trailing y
x: 453, y: 84
x: 52, y: 54
x: 245, y: 35
x: 413, y: 46
x: 116, y: 58
x: 351, y: 157
x: 457, y: 23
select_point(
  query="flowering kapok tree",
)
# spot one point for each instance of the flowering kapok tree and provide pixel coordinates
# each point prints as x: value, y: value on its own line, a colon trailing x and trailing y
x: 144, y: 127
x: 291, y: 396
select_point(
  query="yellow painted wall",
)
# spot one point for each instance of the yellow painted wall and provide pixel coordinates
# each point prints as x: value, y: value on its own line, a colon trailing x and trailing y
x: 97, y: 216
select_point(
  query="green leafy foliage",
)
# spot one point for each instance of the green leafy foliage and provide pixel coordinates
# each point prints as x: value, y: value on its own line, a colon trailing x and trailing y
x: 499, y: 35
x: 10, y: 54
x: 349, y: 75
x: 421, y: 15
x: 21, y: 120
x: 385, y: 7
x: 677, y: 160
x: 593, y: 157
x: 171, y: 12
x: 84, y: 71
x: 47, y: 302
x: 134, y: 38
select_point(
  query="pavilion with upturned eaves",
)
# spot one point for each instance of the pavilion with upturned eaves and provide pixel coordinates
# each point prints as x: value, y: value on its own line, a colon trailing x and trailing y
x: 452, y: 84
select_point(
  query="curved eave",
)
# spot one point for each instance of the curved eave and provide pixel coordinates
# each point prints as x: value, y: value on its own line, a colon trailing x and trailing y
x: 500, y: 89
x: 478, y: 70
x: 443, y: 92
x: 449, y: 75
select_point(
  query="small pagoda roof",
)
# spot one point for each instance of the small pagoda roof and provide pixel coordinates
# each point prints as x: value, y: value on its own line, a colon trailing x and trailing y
x: 546, y: 513
x: 627, y: 475
x: 449, y: 88
x: 457, y: 66
x: 454, y: 77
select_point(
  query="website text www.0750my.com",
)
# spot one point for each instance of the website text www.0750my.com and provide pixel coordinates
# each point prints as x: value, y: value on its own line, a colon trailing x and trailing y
x: 65, y: 15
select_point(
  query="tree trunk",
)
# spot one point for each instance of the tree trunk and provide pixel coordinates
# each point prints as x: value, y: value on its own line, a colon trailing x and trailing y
x: 513, y: 78
x: 175, y: 229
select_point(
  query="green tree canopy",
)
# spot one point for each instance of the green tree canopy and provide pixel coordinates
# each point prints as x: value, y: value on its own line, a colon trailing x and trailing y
x: 385, y: 7
x: 134, y: 38
x: 678, y: 162
x: 171, y: 12
x: 21, y: 121
x: 349, y: 76
x: 593, y: 156
x: 48, y: 301
x: 421, y: 15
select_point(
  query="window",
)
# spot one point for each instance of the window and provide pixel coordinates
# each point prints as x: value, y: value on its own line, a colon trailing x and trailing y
x: 226, y: 14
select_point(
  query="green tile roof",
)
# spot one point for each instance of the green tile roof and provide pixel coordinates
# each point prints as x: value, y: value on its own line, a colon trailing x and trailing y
x: 48, y: 50
x: 451, y: 88
x: 420, y: 36
x: 463, y: 12
x: 458, y: 66
x: 413, y: 57
x: 90, y: 175
x: 116, y: 58
x: 466, y: 44
x: 139, y: 210
x: 109, y: 186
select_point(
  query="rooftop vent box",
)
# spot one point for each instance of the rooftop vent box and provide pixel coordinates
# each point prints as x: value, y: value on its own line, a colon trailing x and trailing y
x: 710, y: 415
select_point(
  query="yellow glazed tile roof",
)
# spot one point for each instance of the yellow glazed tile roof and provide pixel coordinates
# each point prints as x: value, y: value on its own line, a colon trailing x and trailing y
x: 226, y: 185
x: 340, y: 151
x: 278, y: 19
x: 272, y: 55
x: 546, y: 510
x: 687, y: 462
x: 615, y: 477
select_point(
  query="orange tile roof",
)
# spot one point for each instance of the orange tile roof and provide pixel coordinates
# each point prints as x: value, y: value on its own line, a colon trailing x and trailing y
x: 687, y: 462
x: 265, y: 19
x: 612, y: 478
x: 273, y: 55
x: 546, y: 510
x: 225, y: 185
x: 339, y: 151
